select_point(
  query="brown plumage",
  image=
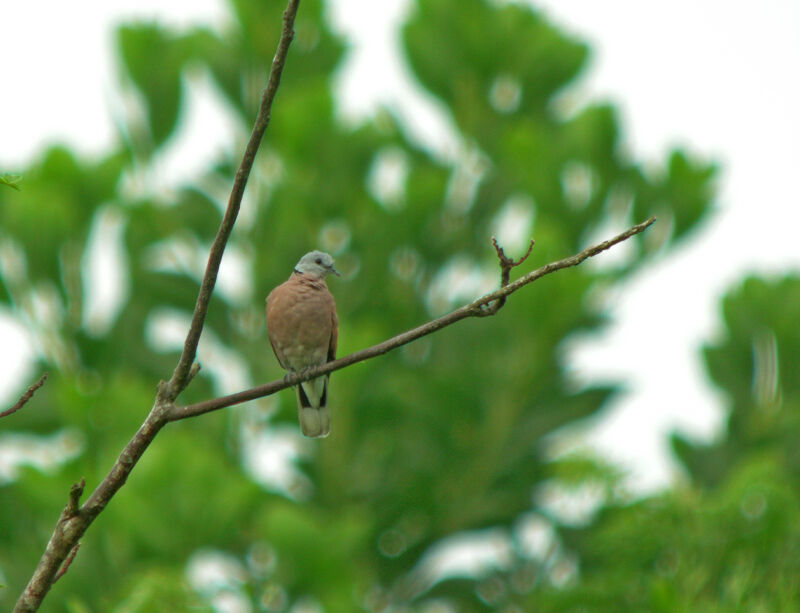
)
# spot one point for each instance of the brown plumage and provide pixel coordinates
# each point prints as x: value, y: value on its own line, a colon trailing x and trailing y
x: 303, y: 329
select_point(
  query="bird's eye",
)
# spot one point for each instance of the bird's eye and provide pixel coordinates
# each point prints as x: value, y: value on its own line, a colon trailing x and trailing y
x: 318, y: 260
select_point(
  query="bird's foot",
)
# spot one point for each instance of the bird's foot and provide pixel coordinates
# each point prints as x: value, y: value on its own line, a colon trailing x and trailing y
x: 299, y: 373
x: 303, y: 372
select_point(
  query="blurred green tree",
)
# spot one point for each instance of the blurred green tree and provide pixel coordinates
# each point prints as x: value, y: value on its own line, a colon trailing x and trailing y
x: 10, y: 180
x: 439, y: 439
x: 728, y: 539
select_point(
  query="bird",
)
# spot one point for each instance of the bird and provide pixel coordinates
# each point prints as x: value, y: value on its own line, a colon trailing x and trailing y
x: 303, y: 329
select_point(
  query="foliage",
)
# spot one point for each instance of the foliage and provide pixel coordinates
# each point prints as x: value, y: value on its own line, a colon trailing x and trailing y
x: 10, y: 180
x: 729, y: 540
x: 757, y: 364
x: 433, y: 441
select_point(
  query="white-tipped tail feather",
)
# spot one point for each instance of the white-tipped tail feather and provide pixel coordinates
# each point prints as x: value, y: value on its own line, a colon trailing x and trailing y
x: 314, y: 422
x: 312, y: 397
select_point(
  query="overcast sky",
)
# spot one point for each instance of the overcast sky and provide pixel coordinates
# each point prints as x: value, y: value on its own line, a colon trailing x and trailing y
x: 719, y: 78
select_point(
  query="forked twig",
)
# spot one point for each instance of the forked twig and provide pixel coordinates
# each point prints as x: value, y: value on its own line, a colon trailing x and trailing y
x: 506, y: 264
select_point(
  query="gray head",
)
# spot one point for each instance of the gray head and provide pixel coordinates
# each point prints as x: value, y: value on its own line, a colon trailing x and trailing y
x: 317, y: 264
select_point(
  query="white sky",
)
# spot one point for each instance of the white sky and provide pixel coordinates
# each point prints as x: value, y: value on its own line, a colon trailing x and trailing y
x: 718, y: 77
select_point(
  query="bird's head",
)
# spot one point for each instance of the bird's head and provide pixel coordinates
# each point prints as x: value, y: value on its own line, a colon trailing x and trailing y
x: 317, y: 264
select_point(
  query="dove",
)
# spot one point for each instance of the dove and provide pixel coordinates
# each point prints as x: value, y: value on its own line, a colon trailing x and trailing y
x: 302, y: 327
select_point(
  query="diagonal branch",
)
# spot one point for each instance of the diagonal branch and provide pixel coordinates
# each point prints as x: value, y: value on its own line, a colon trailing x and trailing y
x: 74, y: 521
x: 25, y: 397
x: 181, y: 377
x: 479, y: 308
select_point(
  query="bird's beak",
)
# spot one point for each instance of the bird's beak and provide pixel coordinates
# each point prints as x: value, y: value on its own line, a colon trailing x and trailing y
x: 336, y: 272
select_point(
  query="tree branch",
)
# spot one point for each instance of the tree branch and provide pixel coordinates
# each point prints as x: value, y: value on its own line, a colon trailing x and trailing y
x: 485, y: 305
x: 25, y: 397
x: 181, y: 376
x: 74, y: 521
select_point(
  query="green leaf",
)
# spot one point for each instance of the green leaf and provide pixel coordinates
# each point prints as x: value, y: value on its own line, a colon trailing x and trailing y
x: 11, y: 181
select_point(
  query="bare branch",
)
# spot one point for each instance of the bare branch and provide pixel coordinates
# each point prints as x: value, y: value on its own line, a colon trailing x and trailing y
x: 74, y: 521
x: 473, y: 309
x: 25, y: 397
x: 181, y: 377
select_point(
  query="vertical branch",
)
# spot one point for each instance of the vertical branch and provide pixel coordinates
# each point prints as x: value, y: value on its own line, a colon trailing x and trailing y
x: 75, y: 520
x: 180, y: 377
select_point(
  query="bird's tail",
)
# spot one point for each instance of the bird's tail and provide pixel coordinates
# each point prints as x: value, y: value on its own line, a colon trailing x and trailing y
x: 312, y: 412
x: 314, y: 422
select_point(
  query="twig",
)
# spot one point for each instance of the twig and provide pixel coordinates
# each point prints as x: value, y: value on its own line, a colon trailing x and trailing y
x: 25, y: 397
x: 65, y: 564
x: 506, y: 264
x: 73, y: 521
x: 473, y: 309
x: 193, y: 372
x: 75, y: 493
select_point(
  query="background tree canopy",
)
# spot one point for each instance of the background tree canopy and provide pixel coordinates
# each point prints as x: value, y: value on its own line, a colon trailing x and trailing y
x: 440, y: 442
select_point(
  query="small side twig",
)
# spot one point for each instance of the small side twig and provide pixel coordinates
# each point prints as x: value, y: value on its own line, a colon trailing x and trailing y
x: 25, y: 397
x: 193, y: 372
x: 74, y: 502
x: 506, y: 264
x: 65, y: 564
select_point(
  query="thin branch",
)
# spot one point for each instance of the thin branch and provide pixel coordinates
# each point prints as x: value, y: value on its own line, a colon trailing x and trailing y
x: 473, y: 309
x: 65, y: 564
x: 74, y: 521
x: 181, y: 377
x: 25, y: 397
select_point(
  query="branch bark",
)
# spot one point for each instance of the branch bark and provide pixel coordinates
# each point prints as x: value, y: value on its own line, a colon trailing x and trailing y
x: 486, y: 305
x: 75, y: 520
x: 25, y: 397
